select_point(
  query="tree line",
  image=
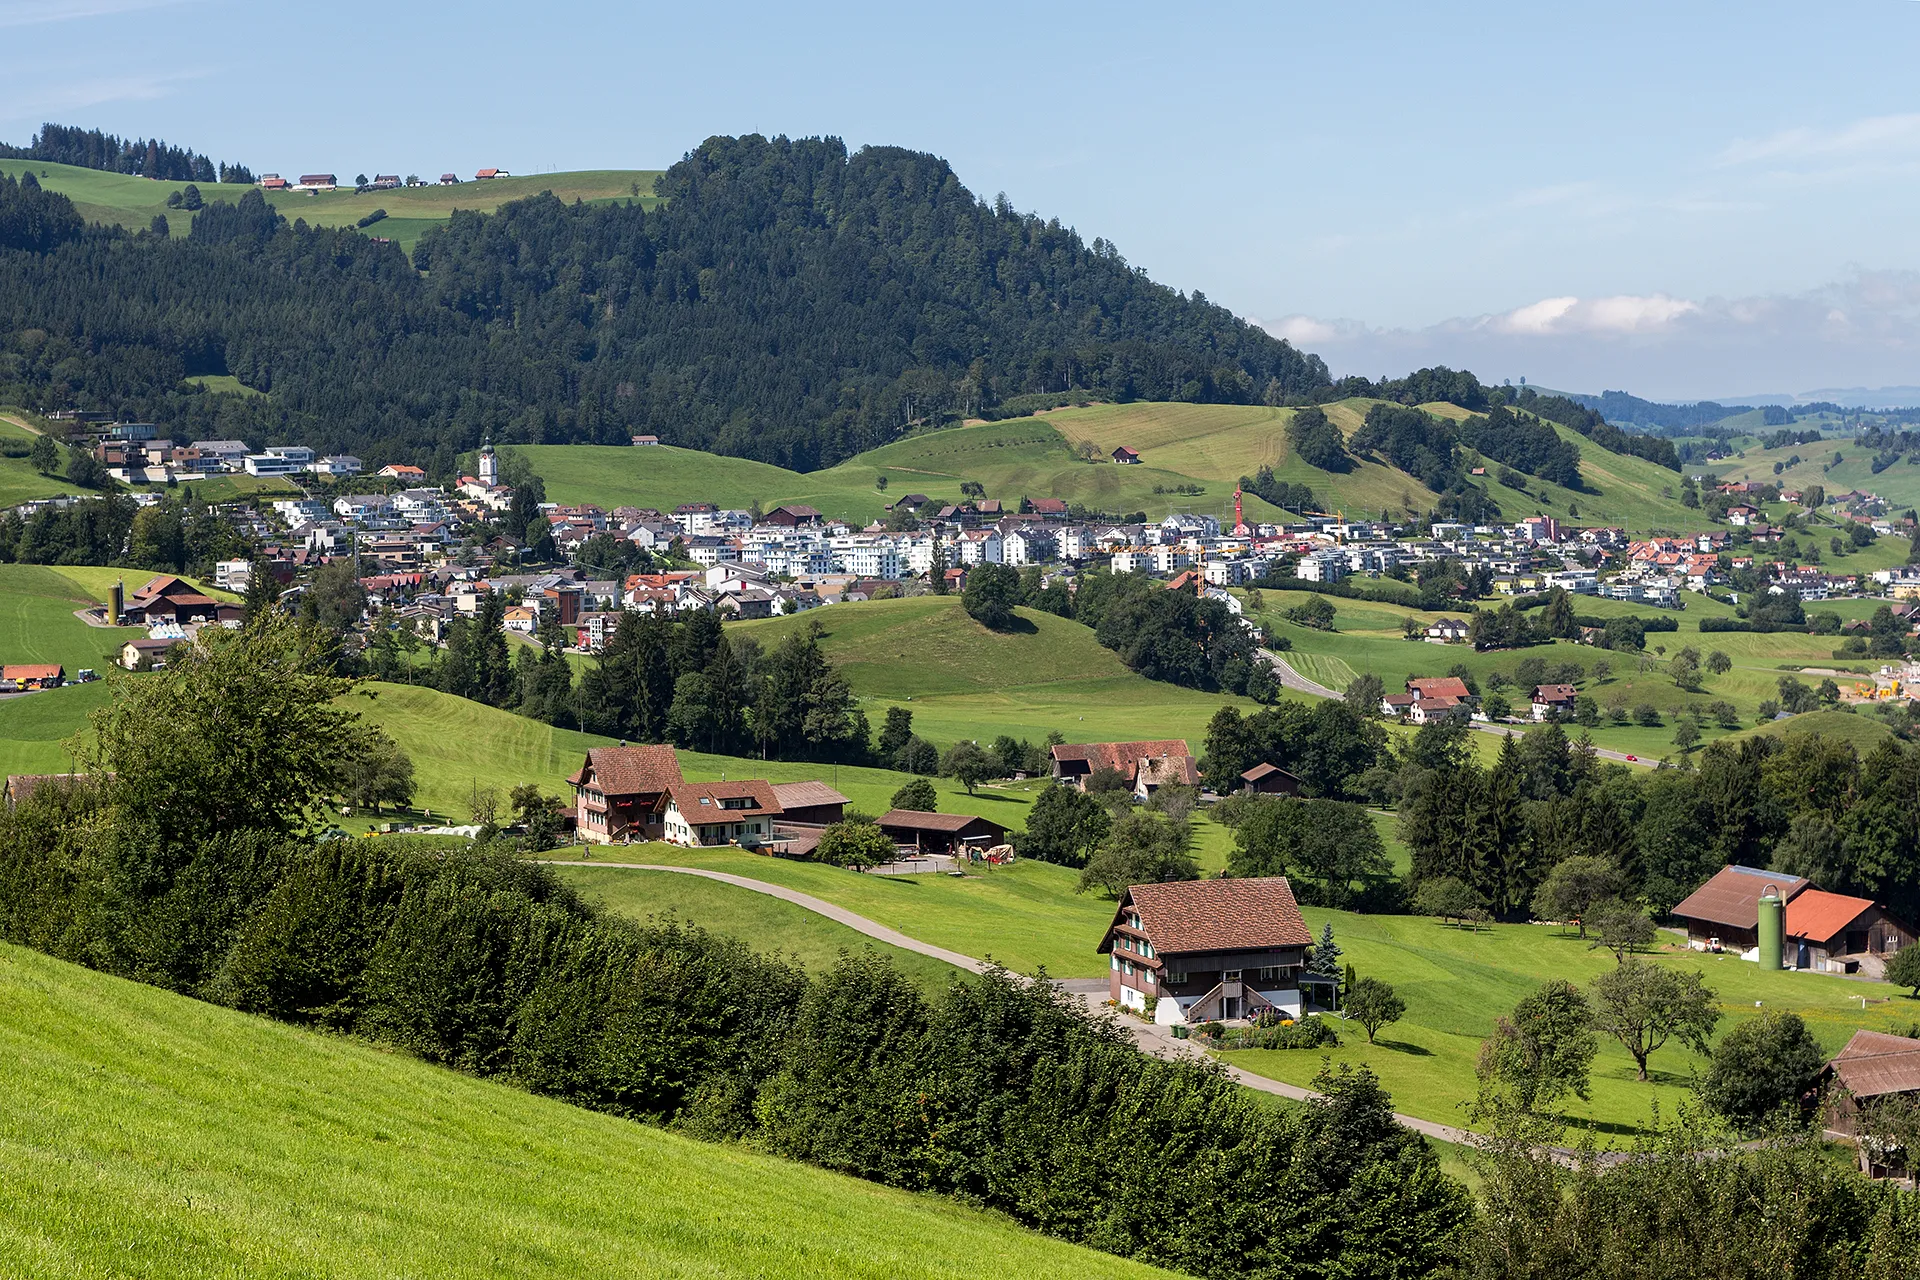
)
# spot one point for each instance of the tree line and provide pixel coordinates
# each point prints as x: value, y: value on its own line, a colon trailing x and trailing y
x: 142, y: 157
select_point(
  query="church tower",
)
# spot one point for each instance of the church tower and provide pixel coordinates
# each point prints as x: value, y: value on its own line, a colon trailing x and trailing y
x: 489, y: 466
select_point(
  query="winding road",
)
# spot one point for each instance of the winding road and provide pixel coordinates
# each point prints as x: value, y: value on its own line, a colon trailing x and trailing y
x: 1153, y: 1039
x: 1291, y: 679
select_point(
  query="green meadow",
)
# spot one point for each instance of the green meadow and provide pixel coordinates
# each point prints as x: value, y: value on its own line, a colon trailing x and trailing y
x: 147, y: 1134
x: 1457, y: 982
x: 19, y: 482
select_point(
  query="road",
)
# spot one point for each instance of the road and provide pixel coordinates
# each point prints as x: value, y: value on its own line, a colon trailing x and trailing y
x: 1156, y: 1040
x: 1291, y: 679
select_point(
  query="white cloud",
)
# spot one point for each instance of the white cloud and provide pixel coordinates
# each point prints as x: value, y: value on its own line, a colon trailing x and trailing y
x: 50, y: 99
x: 1860, y: 331
x: 31, y: 13
x: 1869, y: 138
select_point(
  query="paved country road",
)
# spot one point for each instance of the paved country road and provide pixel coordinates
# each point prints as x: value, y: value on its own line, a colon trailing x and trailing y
x: 1156, y: 1040
x: 1291, y: 679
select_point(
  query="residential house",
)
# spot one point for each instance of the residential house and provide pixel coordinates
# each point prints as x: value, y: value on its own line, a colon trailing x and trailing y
x: 1437, y: 698
x: 1551, y: 700
x: 403, y: 472
x: 792, y: 516
x: 486, y: 174
x: 1143, y: 766
x: 941, y: 833
x: 166, y: 598
x: 1206, y: 950
x: 719, y: 813
x: 144, y: 654
x: 644, y: 441
x: 1448, y: 631
x: 1126, y: 456
x: 617, y: 792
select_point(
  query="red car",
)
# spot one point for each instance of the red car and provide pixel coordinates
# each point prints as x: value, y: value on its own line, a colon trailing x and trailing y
x: 1633, y: 759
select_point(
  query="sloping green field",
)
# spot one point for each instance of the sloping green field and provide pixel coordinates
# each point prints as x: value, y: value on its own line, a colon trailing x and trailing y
x: 19, y: 482
x: 146, y: 1134
x: 118, y: 199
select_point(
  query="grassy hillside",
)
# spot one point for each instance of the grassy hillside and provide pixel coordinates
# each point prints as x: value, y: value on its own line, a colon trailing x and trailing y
x: 19, y: 482
x: 1456, y: 983
x: 962, y: 681
x: 120, y: 200
x: 37, y: 622
x: 150, y: 1135
x: 1899, y: 484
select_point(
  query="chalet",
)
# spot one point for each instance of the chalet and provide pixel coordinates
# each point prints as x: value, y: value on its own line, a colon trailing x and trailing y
x: 1447, y: 631
x: 941, y: 832
x: 1269, y: 780
x: 1437, y: 698
x: 1126, y: 456
x: 644, y: 441
x: 169, y: 599
x: 809, y: 803
x: 1553, y: 700
x: 792, y: 516
x: 317, y: 182
x: 485, y: 174
x: 617, y: 792
x: 1143, y: 766
x: 401, y: 471
x: 273, y: 182
x: 714, y: 813
x: 32, y: 675
x: 143, y: 654
x: 1047, y: 508
x: 1841, y: 934
x: 449, y: 179
x: 1724, y: 913
x: 1207, y: 950
x: 1874, y: 1066
x: 1396, y: 704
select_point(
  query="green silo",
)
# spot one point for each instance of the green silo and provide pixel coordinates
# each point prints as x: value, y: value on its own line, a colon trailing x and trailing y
x: 1773, y: 925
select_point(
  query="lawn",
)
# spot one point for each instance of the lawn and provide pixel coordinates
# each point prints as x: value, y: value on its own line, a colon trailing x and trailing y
x: 147, y: 1134
x: 764, y: 923
x: 19, y: 482
x: 1457, y: 982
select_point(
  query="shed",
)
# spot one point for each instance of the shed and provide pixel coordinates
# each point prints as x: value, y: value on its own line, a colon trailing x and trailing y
x: 1269, y: 780
x: 1725, y: 911
x: 809, y: 803
x: 940, y: 832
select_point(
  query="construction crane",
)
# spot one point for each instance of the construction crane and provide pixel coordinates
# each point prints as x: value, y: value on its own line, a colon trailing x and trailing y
x: 1240, y: 529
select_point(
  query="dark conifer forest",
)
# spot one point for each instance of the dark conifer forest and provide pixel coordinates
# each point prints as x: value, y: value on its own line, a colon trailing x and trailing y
x: 787, y: 301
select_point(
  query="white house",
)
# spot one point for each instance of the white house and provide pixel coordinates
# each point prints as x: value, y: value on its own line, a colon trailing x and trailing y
x: 336, y: 464
x: 718, y: 813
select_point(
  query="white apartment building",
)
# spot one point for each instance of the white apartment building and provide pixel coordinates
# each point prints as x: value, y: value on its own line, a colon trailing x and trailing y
x: 981, y: 546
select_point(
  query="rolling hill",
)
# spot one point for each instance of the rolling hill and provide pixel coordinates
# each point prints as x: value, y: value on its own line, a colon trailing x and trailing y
x: 121, y: 200
x: 1183, y: 446
x: 147, y: 1134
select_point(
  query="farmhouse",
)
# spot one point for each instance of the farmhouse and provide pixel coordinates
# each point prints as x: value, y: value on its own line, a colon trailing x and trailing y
x: 1840, y: 934
x: 1269, y: 780
x: 710, y: 813
x: 1724, y: 913
x: 644, y: 441
x: 33, y: 675
x: 169, y: 599
x: 1874, y: 1066
x: 1126, y: 456
x: 1447, y: 631
x: 1203, y: 950
x: 1143, y: 766
x: 941, y: 832
x: 617, y: 792
x: 792, y: 516
x: 1438, y: 698
x: 143, y: 654
x: 485, y: 174
x: 1553, y: 700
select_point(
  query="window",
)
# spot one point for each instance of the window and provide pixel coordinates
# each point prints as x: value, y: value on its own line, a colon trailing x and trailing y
x: 1231, y: 975
x: 1116, y: 959
x: 1175, y: 976
x: 1126, y: 967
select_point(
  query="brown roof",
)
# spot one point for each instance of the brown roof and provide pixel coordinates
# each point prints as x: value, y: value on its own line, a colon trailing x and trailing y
x: 1732, y: 896
x: 21, y: 785
x: 1875, y: 1064
x: 1216, y: 915
x: 1554, y: 693
x: 1818, y: 916
x: 806, y: 795
x: 1125, y: 757
x: 625, y: 771
x: 700, y: 801
x: 920, y: 820
x: 1264, y: 770
x: 1438, y: 687
x: 1161, y: 770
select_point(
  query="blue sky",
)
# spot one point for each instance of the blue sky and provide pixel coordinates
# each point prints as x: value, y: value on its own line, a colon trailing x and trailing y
x: 1679, y: 199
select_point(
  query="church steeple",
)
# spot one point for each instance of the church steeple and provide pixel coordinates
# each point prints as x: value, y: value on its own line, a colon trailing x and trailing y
x: 489, y: 465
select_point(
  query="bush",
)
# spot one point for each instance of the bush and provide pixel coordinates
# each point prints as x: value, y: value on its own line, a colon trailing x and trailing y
x: 918, y: 795
x: 1764, y: 1066
x: 1307, y: 1033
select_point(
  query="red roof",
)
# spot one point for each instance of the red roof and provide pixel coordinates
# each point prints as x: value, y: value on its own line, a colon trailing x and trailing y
x: 1438, y: 687
x: 1215, y: 915
x: 1554, y: 693
x: 625, y: 771
x: 31, y: 671
x: 1124, y: 757
x: 1817, y: 915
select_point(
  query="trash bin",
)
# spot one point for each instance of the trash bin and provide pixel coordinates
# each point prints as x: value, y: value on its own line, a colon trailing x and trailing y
x: 1179, y: 1032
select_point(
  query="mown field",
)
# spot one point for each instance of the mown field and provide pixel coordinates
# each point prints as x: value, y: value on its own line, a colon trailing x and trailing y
x: 121, y: 200
x: 1899, y: 484
x: 146, y: 1134
x: 19, y: 482
x: 1457, y: 982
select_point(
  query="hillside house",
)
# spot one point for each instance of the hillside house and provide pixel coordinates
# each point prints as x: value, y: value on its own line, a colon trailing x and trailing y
x: 1437, y: 698
x: 1874, y: 1066
x: 719, y: 813
x: 144, y: 654
x: 487, y: 174
x: 1724, y: 913
x: 1143, y: 766
x: 1447, y: 631
x: 1839, y: 934
x: 169, y: 599
x: 449, y: 179
x: 617, y: 792
x: 793, y: 516
x: 1553, y: 700
x: 1204, y: 950
x: 1126, y: 456
x: 402, y: 471
x: 1269, y: 780
x: 22, y: 676
x: 941, y: 833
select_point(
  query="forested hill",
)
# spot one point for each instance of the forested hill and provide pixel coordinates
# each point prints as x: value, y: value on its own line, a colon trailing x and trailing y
x: 787, y: 301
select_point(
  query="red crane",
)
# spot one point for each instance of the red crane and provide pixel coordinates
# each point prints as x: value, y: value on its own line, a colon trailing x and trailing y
x: 1240, y: 529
